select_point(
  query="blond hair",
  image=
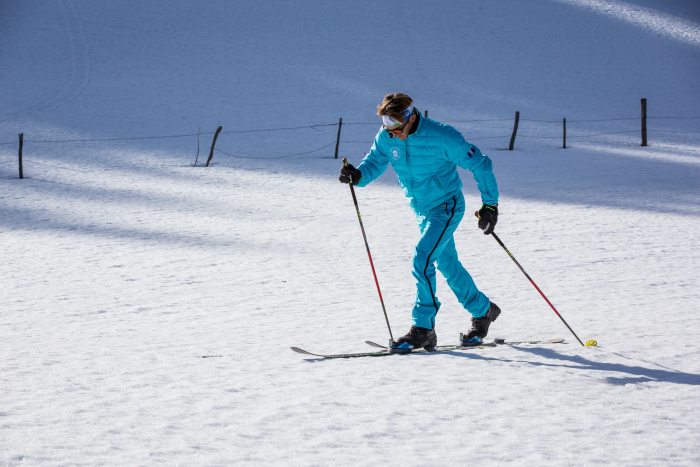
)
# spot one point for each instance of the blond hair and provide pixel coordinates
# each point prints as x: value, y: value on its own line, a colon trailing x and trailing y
x: 393, y: 104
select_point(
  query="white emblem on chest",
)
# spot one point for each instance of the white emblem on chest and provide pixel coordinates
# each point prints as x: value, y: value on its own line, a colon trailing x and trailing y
x: 395, y: 154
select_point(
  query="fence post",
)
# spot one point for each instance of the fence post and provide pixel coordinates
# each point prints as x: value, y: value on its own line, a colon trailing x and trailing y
x: 213, y: 143
x: 426, y: 114
x: 199, y: 128
x: 337, y: 143
x: 644, y: 122
x: 21, y: 143
x: 515, y: 130
x: 564, y: 133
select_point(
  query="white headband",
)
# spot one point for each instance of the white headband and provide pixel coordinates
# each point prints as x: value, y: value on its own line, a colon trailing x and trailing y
x: 390, y: 122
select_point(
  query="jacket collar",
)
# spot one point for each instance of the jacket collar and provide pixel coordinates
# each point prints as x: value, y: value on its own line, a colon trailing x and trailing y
x: 417, y: 128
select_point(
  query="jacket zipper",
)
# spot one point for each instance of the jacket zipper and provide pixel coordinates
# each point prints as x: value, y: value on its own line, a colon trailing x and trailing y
x: 410, y: 169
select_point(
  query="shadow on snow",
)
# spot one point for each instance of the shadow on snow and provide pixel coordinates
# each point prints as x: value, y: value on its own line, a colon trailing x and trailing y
x: 634, y: 374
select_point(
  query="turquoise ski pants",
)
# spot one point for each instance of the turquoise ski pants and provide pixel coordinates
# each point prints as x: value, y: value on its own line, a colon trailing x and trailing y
x: 437, y: 246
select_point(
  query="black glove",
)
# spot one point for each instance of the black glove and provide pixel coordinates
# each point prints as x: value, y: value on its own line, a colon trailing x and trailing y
x: 488, y: 216
x: 349, y: 174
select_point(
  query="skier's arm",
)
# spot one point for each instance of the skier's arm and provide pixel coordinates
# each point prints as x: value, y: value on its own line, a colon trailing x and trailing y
x: 374, y: 164
x: 469, y: 157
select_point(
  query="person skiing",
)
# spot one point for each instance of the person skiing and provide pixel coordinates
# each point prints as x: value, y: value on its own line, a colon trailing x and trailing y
x: 425, y: 155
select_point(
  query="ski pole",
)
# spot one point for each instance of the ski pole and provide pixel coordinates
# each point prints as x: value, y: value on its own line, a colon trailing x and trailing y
x: 535, y: 285
x: 357, y: 208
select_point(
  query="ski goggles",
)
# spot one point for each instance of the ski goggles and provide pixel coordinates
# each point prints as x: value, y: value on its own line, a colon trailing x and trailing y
x: 394, y: 126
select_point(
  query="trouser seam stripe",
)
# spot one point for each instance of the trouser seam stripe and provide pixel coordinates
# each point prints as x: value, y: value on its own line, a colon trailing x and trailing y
x: 427, y: 263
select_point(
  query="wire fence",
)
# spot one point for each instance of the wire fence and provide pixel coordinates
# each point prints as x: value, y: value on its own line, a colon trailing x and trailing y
x: 91, y: 140
x: 278, y: 157
x: 474, y: 135
x: 579, y: 136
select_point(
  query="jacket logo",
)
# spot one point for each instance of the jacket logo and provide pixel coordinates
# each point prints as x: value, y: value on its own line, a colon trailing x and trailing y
x: 395, y: 154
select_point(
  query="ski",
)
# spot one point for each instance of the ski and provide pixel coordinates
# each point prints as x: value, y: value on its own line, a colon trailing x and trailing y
x: 482, y: 344
x: 384, y: 353
x: 344, y: 355
x: 441, y: 348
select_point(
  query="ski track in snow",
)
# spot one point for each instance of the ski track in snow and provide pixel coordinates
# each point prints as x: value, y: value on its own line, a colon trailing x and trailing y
x: 123, y: 266
x: 80, y: 67
x: 672, y: 27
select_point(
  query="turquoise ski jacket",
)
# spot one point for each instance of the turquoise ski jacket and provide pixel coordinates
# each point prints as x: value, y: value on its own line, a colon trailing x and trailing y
x: 426, y: 164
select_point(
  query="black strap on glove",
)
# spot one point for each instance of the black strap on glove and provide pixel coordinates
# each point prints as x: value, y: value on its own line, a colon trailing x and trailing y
x: 349, y: 174
x: 488, y: 216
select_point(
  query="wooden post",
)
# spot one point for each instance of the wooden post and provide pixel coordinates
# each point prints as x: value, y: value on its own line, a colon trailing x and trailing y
x: 515, y: 130
x: 199, y: 128
x: 564, y: 133
x: 426, y: 114
x: 21, y: 143
x: 337, y: 143
x: 213, y: 143
x: 644, y: 122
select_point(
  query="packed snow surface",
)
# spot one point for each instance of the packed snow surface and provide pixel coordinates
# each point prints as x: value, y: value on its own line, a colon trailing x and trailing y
x: 123, y: 265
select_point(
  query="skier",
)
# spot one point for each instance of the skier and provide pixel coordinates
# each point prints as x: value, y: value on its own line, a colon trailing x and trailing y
x: 425, y: 155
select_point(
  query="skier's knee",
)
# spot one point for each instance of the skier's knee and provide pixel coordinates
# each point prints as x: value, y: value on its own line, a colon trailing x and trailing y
x: 420, y: 260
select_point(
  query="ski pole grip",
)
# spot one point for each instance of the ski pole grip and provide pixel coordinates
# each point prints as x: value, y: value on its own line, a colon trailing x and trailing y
x: 345, y: 161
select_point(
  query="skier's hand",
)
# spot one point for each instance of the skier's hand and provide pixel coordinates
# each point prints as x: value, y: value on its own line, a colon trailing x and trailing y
x: 488, y: 216
x: 349, y: 174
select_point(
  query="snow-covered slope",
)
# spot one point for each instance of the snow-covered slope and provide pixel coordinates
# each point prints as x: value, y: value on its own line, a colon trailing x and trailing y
x: 122, y: 265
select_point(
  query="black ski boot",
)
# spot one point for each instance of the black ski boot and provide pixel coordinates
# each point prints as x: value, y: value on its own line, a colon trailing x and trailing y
x: 416, y: 338
x: 480, y: 327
